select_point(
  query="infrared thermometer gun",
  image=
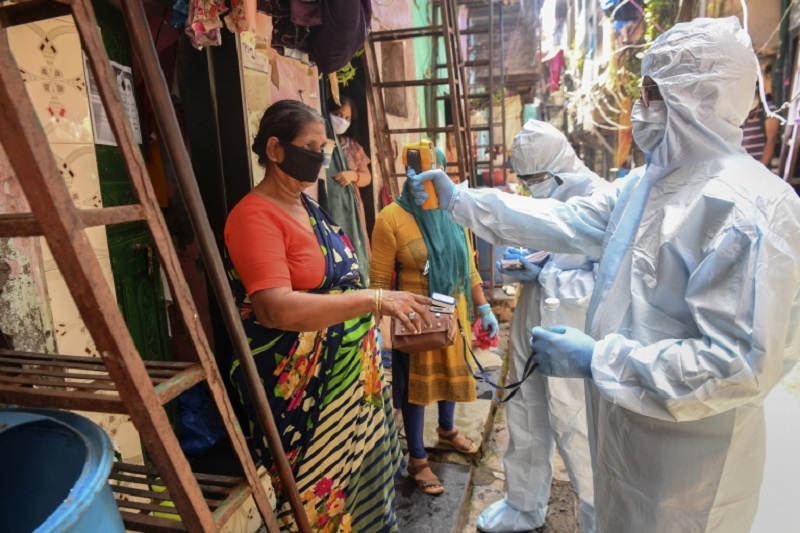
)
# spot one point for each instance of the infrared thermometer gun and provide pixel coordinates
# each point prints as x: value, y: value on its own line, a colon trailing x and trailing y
x: 420, y: 156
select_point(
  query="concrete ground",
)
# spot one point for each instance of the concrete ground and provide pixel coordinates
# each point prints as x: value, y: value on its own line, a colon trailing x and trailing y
x: 472, y: 484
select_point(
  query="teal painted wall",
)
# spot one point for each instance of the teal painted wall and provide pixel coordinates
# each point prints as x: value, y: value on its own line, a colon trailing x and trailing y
x: 422, y: 54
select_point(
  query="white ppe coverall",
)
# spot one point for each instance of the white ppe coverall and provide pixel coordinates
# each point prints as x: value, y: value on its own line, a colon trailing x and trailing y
x: 546, y: 412
x: 696, y: 307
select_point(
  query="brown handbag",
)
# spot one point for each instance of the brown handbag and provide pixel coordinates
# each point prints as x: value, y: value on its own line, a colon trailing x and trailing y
x: 441, y: 334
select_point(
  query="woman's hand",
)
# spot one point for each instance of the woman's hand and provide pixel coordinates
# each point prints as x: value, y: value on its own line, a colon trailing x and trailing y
x: 346, y: 177
x: 399, y: 304
x: 488, y: 320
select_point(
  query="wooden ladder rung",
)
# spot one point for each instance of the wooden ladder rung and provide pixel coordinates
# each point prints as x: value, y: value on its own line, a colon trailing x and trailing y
x: 225, y: 482
x: 485, y: 127
x: 441, y: 129
x: 472, y: 63
x: 33, y: 11
x: 26, y: 225
x: 474, y: 31
x: 477, y: 62
x: 471, y: 96
x: 413, y: 83
x: 405, y: 33
x: 236, y: 498
x: 82, y: 383
x: 137, y: 521
x: 139, y: 500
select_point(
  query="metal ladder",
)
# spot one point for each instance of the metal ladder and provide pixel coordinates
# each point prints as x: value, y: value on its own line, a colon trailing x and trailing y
x: 120, y: 381
x: 485, y: 64
x: 485, y: 68
x: 444, y: 30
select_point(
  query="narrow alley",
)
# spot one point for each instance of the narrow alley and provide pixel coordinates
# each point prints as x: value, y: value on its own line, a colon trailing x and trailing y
x: 399, y: 266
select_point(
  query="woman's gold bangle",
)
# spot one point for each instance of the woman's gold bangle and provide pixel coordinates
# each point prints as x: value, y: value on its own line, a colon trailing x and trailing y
x: 378, y: 301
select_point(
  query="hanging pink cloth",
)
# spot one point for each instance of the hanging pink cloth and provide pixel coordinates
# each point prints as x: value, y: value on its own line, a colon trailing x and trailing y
x: 204, y: 24
x: 556, y: 67
x: 236, y: 20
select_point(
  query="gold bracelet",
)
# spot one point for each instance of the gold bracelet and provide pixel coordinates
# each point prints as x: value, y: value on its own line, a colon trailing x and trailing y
x: 380, y: 302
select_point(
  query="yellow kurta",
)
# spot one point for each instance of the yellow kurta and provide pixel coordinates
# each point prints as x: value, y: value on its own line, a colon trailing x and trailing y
x: 434, y: 375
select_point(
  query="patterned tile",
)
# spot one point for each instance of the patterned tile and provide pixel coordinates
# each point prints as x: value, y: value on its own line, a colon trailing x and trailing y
x: 72, y: 337
x: 49, y: 57
x: 78, y: 167
x: 122, y: 433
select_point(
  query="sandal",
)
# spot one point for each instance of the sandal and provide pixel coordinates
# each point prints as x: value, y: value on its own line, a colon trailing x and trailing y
x: 432, y: 487
x: 457, y: 441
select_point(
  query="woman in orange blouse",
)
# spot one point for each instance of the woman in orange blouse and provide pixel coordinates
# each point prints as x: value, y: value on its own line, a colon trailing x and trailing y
x: 311, y: 327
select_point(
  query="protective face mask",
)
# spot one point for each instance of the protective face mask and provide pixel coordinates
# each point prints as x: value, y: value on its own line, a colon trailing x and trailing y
x: 340, y: 125
x: 649, y: 125
x: 301, y: 164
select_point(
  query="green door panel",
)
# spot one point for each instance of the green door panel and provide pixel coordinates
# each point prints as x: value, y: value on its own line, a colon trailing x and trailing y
x: 133, y: 259
x: 134, y: 262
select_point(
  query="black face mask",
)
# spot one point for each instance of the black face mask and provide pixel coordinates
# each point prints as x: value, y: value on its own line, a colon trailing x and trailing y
x: 301, y: 164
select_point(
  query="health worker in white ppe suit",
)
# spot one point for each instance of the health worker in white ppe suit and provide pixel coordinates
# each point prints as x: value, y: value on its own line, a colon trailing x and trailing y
x: 546, y: 412
x: 695, y: 314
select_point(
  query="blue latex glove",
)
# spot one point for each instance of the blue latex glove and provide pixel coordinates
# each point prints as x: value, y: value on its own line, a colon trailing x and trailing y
x: 528, y: 272
x: 563, y: 352
x: 441, y: 182
x: 488, y: 320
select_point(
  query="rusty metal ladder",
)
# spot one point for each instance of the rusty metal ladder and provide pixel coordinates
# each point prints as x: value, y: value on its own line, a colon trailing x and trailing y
x: 443, y: 30
x: 120, y: 381
x: 487, y: 73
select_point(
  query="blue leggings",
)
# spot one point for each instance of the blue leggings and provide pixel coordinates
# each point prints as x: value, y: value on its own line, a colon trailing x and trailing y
x: 414, y: 423
x: 413, y: 414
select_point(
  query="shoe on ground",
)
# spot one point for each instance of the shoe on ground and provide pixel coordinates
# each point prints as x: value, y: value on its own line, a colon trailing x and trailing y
x: 500, y: 517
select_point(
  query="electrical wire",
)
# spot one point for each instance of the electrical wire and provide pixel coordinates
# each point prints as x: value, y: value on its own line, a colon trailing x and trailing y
x: 592, y: 100
x: 778, y: 27
x: 761, y: 91
x: 599, y: 107
x: 643, y: 45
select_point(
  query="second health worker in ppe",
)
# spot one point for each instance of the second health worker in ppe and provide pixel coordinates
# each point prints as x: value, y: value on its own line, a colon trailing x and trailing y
x: 546, y: 412
x: 695, y: 314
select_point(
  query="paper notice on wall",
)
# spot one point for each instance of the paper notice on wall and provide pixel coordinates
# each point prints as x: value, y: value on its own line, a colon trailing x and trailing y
x: 252, y: 57
x: 100, y: 125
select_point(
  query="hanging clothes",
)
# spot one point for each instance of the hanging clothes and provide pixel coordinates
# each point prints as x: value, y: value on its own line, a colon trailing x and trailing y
x: 345, y: 207
x: 286, y: 34
x: 204, y: 20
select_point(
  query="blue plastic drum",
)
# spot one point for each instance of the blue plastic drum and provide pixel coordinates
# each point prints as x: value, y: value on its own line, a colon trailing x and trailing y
x: 54, y: 468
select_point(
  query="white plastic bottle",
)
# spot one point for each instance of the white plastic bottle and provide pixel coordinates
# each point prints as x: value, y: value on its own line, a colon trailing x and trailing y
x: 551, y: 317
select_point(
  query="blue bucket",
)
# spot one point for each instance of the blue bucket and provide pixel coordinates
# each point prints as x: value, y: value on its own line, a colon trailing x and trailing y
x: 54, y: 468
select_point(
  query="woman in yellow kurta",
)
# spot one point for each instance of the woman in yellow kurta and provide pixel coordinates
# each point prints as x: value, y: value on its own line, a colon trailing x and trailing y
x: 402, y: 239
